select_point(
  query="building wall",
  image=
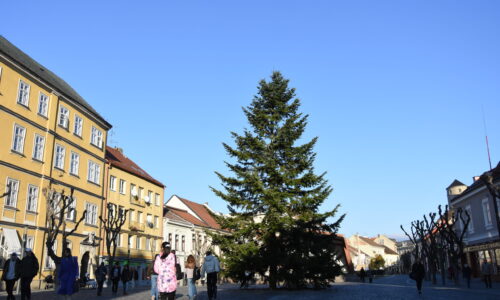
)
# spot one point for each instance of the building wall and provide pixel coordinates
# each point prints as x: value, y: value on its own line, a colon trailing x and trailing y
x: 23, y: 167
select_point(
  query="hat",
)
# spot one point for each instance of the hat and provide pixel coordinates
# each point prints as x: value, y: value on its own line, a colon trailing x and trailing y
x: 13, y: 254
x: 28, y: 249
x: 165, y: 245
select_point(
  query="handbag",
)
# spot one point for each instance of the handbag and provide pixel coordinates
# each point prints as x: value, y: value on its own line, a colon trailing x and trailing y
x: 196, y: 273
x: 412, y: 276
x: 76, y: 286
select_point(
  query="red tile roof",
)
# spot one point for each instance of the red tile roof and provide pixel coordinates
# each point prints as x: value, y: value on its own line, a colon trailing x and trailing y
x: 202, y: 212
x: 184, y: 215
x: 369, y: 242
x: 117, y: 159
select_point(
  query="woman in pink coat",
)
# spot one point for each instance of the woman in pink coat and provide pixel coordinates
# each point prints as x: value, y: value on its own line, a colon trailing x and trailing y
x: 165, y: 268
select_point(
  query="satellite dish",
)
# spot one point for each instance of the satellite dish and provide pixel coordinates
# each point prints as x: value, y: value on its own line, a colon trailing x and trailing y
x: 146, y: 198
x: 134, y: 192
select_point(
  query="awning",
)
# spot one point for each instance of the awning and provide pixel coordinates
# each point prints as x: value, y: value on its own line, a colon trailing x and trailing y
x: 12, y: 243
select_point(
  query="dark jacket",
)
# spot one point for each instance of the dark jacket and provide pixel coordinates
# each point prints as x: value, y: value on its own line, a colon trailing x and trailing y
x: 17, y: 271
x: 113, y: 272
x: 125, y: 276
x: 136, y: 275
x: 467, y: 272
x: 418, y: 271
x: 100, y: 273
x: 29, y: 266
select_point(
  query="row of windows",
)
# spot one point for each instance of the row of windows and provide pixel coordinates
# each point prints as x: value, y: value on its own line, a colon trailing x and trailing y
x: 182, y: 240
x: 96, y: 135
x: 32, y: 196
x: 488, y: 220
x: 149, y: 218
x: 137, y: 242
x: 133, y: 190
x: 94, y: 169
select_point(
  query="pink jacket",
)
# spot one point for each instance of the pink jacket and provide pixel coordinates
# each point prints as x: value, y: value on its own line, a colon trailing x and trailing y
x: 167, y: 279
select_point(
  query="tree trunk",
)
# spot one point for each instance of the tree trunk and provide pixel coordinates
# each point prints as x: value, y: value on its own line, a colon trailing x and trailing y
x: 272, y: 276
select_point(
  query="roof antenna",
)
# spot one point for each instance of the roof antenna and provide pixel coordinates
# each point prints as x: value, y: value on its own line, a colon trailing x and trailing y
x: 486, y: 135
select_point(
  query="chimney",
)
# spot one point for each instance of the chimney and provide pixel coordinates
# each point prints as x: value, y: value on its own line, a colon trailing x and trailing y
x: 119, y: 150
x: 475, y: 178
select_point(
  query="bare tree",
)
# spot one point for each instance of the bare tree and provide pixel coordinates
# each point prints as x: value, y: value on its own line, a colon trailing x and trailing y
x: 112, y: 224
x: 414, y: 239
x: 494, y: 189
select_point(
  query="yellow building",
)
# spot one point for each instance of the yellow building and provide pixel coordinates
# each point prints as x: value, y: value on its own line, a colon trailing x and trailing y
x: 51, y: 138
x: 133, y: 189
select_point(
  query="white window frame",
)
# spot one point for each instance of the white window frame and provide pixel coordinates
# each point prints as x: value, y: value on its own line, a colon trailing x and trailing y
x: 94, y: 172
x: 139, y: 217
x: 30, y: 241
x: 488, y: 220
x: 59, y: 157
x: 470, y: 228
x: 32, y: 198
x: 18, y: 139
x: 156, y: 220
x: 23, y: 93
x: 63, y: 117
x: 96, y: 137
x: 38, y: 147
x: 74, y: 164
x: 43, y: 104
x: 157, y: 199
x: 112, y: 183
x: 123, y: 187
x: 71, y: 211
x: 148, y: 243
x: 137, y: 242
x: 91, y: 217
x: 12, y: 186
x: 78, y: 126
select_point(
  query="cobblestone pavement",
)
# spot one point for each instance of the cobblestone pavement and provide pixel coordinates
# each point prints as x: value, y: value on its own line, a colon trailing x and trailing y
x: 389, y: 287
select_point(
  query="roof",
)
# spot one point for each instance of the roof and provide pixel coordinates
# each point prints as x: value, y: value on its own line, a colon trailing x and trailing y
x: 181, y: 215
x: 202, y: 212
x: 39, y: 71
x: 455, y: 183
x: 355, y: 251
x: 479, y: 183
x: 369, y: 242
x: 117, y: 159
x: 388, y: 250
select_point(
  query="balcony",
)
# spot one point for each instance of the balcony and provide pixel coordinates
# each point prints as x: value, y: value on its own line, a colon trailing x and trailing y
x: 137, y: 201
x: 135, y: 226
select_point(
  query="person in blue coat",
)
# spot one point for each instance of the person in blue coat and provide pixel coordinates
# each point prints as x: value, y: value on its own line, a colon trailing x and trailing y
x: 68, y: 274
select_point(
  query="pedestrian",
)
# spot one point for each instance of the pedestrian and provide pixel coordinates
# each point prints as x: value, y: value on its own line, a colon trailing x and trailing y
x: 467, y: 272
x: 125, y: 276
x: 190, y: 267
x: 116, y: 273
x: 136, y: 277
x: 211, y: 267
x: 100, y: 276
x: 486, y: 271
x: 153, y: 276
x: 362, y: 274
x: 165, y: 268
x: 28, y: 269
x: 68, y: 275
x: 11, y: 273
x: 418, y: 274
x: 369, y: 273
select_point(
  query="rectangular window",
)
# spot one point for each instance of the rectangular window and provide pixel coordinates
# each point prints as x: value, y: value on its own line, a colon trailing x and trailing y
x: 123, y: 187
x: 150, y: 196
x: 78, y: 126
x: 96, y: 137
x: 30, y: 242
x: 18, y: 138
x: 32, y: 199
x: 149, y: 219
x: 153, y: 244
x: 49, y: 263
x: 118, y: 240
x: 75, y: 163
x: 170, y: 239
x: 133, y: 191
x: 12, y: 190
x: 129, y: 241
x: 71, y: 210
x: 139, y: 217
x: 63, y: 120
x: 91, y: 217
x: 131, y: 217
x: 94, y: 172
x: 157, y: 199
x: 23, y: 93
x: 148, y: 244
x: 38, y: 147
x: 112, y: 183
x: 60, y: 153
x: 140, y: 193
x: 138, y: 242
x: 183, y: 245
x: 156, y: 221
x: 488, y: 223
x: 43, y: 104
x: 176, y: 242
x: 470, y: 228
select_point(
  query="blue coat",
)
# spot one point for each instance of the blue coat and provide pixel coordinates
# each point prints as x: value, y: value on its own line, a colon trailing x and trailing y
x: 67, y: 275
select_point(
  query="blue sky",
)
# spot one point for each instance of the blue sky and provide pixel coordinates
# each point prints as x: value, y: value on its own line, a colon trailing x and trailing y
x: 394, y: 89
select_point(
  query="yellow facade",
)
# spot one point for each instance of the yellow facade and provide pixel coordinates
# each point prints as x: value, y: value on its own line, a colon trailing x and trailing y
x: 141, y: 235
x: 39, y: 150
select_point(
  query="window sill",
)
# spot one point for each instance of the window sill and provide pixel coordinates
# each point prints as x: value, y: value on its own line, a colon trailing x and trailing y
x: 74, y: 175
x: 37, y: 160
x: 43, y: 116
x: 78, y: 136
x: 91, y: 225
x: 59, y: 169
x: 91, y: 182
x: 94, y: 145
x: 17, y: 153
x: 11, y: 207
x: 65, y: 128
x: 30, y: 212
x: 24, y: 105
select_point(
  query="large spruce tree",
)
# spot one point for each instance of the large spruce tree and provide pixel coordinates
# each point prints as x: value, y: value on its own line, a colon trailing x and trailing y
x: 275, y: 227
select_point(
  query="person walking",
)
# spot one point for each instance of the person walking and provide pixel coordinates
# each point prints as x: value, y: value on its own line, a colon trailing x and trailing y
x: 100, y: 276
x: 11, y: 273
x: 418, y: 274
x: 115, y: 277
x: 486, y: 271
x: 68, y: 275
x: 165, y: 268
x: 136, y: 277
x: 190, y: 267
x: 211, y: 267
x: 467, y: 273
x: 362, y: 274
x: 153, y: 276
x: 125, y: 276
x: 28, y: 269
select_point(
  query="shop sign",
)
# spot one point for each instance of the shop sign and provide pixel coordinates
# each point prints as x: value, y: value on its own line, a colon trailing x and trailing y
x: 482, y: 247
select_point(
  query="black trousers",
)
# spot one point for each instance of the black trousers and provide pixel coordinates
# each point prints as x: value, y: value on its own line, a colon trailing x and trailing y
x: 100, y: 283
x: 167, y: 296
x: 487, y: 280
x: 114, y: 288
x: 212, y: 285
x: 26, y: 288
x: 9, y: 287
x: 419, y: 283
